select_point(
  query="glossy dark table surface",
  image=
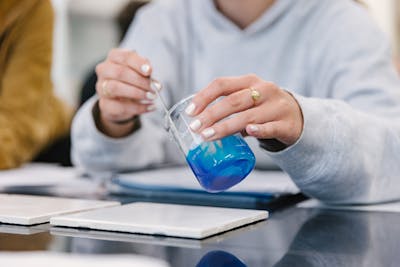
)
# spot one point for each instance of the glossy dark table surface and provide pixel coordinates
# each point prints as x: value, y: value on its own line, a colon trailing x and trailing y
x: 291, y: 237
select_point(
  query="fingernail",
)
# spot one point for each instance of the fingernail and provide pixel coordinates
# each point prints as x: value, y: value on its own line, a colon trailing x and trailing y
x: 253, y: 128
x: 190, y: 109
x: 195, y: 125
x: 151, y: 96
x: 155, y: 85
x: 146, y: 101
x: 151, y: 107
x: 207, y: 133
x: 145, y: 68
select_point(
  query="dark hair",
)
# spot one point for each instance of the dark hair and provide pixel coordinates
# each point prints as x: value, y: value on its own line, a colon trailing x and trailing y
x: 127, y: 14
x: 361, y: 2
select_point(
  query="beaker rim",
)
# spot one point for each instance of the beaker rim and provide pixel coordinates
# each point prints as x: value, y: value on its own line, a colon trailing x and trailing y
x: 174, y: 107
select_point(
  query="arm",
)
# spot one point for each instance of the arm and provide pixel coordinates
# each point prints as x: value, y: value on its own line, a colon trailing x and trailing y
x: 342, y: 139
x: 30, y: 116
x: 96, y: 148
x: 350, y: 145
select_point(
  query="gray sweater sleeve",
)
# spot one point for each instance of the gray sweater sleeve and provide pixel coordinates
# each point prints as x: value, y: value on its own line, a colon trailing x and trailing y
x: 344, y: 155
x: 349, y: 151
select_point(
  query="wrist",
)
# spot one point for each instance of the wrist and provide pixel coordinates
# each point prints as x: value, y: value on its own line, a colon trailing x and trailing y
x: 272, y: 145
x: 115, y: 129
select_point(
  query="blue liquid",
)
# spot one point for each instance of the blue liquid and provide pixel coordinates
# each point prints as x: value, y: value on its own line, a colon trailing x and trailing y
x: 219, y: 258
x: 221, y: 164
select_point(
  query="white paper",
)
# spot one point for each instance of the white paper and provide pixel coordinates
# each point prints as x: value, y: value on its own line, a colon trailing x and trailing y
x: 61, y: 181
x: 37, y: 174
x: 49, y: 259
x: 386, y: 207
x: 182, y: 177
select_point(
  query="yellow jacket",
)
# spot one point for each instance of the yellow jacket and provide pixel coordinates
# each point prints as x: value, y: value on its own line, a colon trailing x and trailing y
x: 31, y: 117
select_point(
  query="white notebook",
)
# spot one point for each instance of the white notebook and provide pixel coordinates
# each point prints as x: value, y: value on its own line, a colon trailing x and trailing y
x: 29, y: 210
x: 162, y: 219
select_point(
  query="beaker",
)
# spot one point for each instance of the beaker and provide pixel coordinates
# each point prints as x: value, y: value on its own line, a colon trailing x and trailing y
x: 217, y: 165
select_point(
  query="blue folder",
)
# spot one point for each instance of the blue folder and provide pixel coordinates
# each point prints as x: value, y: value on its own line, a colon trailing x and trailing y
x: 178, y: 185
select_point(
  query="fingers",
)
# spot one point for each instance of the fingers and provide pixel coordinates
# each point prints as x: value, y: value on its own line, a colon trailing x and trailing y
x: 117, y: 110
x: 231, y: 104
x: 236, y: 123
x: 260, y: 108
x: 130, y: 59
x: 219, y: 87
x: 266, y: 130
x: 280, y: 130
x: 235, y: 104
x: 117, y: 89
x: 274, y: 129
x: 123, y: 85
x: 124, y: 74
x: 111, y: 71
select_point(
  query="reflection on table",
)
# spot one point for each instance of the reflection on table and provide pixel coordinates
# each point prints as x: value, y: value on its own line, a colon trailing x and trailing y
x: 293, y: 237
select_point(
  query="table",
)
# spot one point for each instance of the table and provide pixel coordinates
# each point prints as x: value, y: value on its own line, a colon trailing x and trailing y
x: 291, y: 237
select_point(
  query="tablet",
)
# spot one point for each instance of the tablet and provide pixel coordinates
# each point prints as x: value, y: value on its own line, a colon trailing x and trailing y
x: 185, y: 221
x: 30, y: 210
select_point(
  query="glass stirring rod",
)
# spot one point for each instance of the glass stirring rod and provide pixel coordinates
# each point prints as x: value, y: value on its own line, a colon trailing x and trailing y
x: 157, y: 86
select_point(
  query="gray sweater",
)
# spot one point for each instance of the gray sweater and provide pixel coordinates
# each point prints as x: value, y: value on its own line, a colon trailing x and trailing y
x: 328, y: 53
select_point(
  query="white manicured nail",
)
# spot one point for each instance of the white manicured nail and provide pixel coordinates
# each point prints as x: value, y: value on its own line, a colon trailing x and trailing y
x: 155, y: 85
x: 207, y: 133
x: 195, y: 125
x: 146, y: 101
x: 145, y: 68
x: 151, y: 96
x: 190, y: 109
x: 151, y: 107
x: 253, y: 128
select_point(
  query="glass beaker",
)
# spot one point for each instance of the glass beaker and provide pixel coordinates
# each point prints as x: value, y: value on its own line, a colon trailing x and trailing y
x: 217, y: 165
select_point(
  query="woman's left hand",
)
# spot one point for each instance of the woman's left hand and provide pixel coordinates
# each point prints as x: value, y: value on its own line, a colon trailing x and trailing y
x: 261, y: 109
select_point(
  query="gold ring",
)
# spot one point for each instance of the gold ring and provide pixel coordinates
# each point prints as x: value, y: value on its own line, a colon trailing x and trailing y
x: 104, y: 88
x: 255, y: 95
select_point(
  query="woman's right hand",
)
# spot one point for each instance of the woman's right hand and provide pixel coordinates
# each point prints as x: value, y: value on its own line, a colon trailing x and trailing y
x: 123, y: 87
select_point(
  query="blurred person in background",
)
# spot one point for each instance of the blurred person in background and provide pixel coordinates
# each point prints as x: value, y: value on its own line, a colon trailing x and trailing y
x: 31, y: 117
x: 326, y: 105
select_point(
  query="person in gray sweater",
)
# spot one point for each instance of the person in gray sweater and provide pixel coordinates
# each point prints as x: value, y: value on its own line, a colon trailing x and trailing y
x: 311, y: 83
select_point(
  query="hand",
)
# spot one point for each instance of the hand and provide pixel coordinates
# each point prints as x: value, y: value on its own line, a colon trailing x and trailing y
x: 124, y: 91
x: 274, y: 115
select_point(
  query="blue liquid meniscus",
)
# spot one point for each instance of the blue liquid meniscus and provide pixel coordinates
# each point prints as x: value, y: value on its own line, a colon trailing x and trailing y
x: 221, y: 164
